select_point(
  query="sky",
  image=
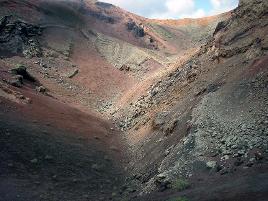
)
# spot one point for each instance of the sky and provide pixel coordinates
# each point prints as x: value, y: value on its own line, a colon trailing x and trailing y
x: 175, y: 9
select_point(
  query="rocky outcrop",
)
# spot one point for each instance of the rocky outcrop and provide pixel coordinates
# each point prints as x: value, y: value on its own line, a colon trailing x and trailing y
x: 137, y: 112
x: 19, y: 38
x: 102, y: 17
x: 137, y: 30
x: 21, y: 70
x: 230, y: 38
x: 226, y: 100
x: 104, y: 5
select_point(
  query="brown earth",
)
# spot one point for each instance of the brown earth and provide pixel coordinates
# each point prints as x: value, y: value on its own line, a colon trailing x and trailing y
x: 115, y: 106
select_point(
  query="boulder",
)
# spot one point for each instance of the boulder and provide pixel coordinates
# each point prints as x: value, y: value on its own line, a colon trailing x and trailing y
x: 162, y: 182
x: 160, y: 120
x: 137, y: 30
x: 74, y: 73
x: 19, y: 70
x: 22, y: 71
x: 124, y: 68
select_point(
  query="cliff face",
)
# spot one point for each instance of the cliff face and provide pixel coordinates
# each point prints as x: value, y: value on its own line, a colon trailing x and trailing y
x: 244, y: 30
x: 248, y: 2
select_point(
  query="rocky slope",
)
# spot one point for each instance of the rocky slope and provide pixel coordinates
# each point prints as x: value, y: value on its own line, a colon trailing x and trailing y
x: 114, y: 106
x: 209, y: 116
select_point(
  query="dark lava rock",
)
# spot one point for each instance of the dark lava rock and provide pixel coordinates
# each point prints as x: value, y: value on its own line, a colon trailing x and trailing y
x: 238, y: 162
x: 221, y: 25
x: 41, y: 89
x: 22, y: 71
x: 104, y: 5
x: 103, y: 17
x: 137, y: 30
x: 19, y: 38
x: 164, y: 185
x: 130, y: 25
x: 16, y: 81
x: 258, y: 156
x: 124, y: 68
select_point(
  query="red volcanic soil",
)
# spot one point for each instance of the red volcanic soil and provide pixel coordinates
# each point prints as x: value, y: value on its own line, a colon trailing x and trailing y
x: 205, y: 21
x: 96, y: 73
x: 55, y: 146
x: 60, y: 152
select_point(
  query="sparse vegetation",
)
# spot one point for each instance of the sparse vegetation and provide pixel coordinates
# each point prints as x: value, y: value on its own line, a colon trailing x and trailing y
x: 180, y: 184
x: 161, y: 31
x: 178, y: 199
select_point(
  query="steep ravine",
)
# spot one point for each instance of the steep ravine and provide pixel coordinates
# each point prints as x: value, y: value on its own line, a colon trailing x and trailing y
x: 100, y: 104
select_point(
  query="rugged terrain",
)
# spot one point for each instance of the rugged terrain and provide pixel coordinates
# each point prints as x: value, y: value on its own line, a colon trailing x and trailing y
x: 101, y: 104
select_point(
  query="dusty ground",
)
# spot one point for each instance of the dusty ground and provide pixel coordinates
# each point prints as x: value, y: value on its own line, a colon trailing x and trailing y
x: 57, y: 153
x: 127, y: 108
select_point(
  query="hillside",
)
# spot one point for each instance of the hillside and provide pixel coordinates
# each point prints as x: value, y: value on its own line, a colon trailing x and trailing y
x: 97, y: 103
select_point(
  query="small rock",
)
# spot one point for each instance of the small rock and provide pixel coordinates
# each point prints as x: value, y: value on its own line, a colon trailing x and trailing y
x: 41, y: 89
x: 235, y: 155
x: 106, y: 158
x: 238, y: 162
x: 54, y: 177
x: 96, y: 137
x: 48, y: 157
x: 74, y: 73
x: 214, y: 154
x: 224, y: 171
x: 28, y: 100
x: 162, y: 182
x: 211, y: 164
x: 86, y: 196
x: 17, y: 81
x: 225, y: 157
x: 258, y: 155
x: 167, y: 152
x: 226, y: 152
x: 161, y: 176
x: 74, y: 180
x: 37, y: 182
x: 95, y: 167
x: 252, y: 160
x: 250, y: 164
x: 34, y: 161
x: 214, y: 134
x: 241, y: 152
x: 131, y: 190
x: 234, y: 146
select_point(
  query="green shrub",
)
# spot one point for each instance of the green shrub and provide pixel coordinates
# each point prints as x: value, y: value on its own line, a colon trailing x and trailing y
x: 178, y: 199
x: 180, y: 184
